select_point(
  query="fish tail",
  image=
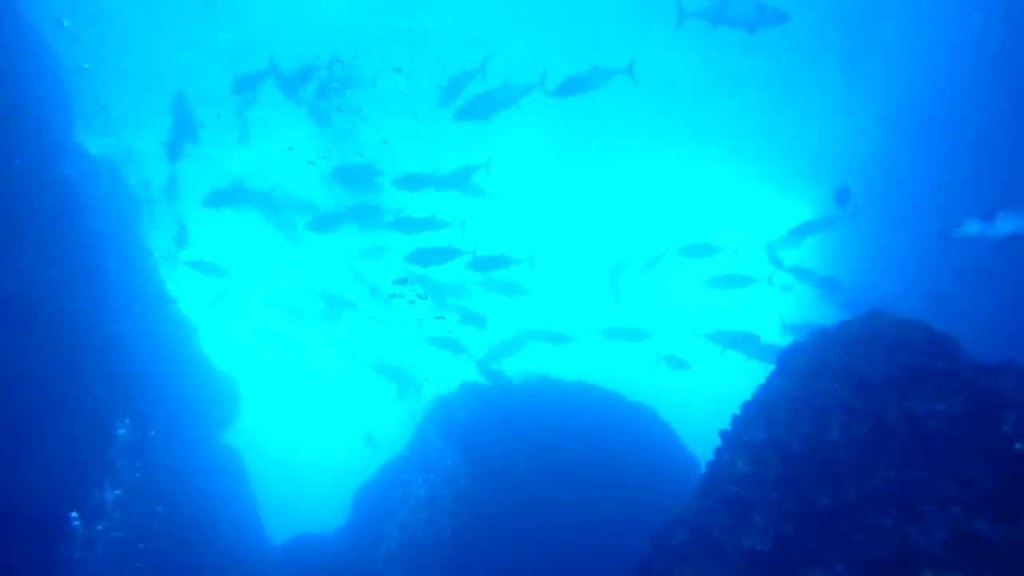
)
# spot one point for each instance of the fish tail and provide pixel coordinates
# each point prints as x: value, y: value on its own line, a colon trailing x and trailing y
x: 631, y: 69
x: 542, y: 82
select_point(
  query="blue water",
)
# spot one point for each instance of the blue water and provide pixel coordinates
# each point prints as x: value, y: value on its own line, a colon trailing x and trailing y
x: 253, y: 249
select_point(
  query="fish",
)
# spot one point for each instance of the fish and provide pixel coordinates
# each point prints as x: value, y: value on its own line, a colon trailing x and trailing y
x: 281, y: 211
x: 654, y: 261
x: 699, y: 250
x: 238, y: 195
x: 247, y: 83
x: 816, y: 280
x: 796, y: 236
x: 407, y: 384
x: 334, y: 306
x: 510, y: 347
x: 413, y: 225
x: 456, y: 85
x: 842, y: 197
x: 206, y: 268
x: 415, y: 181
x: 461, y: 179
x: 491, y: 263
x: 733, y: 281
x: 748, y: 15
x: 733, y: 339
x: 503, y: 287
x: 358, y: 177
x: 763, y: 352
x: 439, y: 291
x: 181, y: 236
x: 996, y: 226
x: 467, y: 316
x: 799, y: 330
x: 184, y: 129
x: 627, y: 334
x: 746, y: 344
x: 589, y: 80
x: 489, y: 103
x: 362, y: 216
x: 676, y: 363
x: 449, y: 344
x: 433, y: 256
x: 293, y: 83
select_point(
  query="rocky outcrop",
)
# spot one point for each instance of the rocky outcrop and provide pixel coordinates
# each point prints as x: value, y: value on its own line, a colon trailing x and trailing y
x: 524, y: 478
x: 108, y: 408
x: 877, y: 447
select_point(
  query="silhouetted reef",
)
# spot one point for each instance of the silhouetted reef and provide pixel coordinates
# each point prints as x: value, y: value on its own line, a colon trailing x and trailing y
x: 877, y: 447
x: 110, y: 414
x: 527, y: 478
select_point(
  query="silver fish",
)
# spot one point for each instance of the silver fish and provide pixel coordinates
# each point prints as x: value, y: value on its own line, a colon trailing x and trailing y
x: 747, y: 15
x: 457, y: 84
x: 433, y: 256
x: 491, y: 102
x: 590, y: 80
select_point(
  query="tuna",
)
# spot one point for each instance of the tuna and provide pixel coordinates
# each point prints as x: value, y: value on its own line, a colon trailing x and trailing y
x: 491, y: 102
x: 456, y: 85
x: 1001, y: 225
x: 589, y: 80
x: 184, y: 129
x: 748, y: 15
x: 433, y: 256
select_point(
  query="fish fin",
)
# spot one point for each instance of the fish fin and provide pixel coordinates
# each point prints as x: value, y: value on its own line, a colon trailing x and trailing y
x: 631, y: 69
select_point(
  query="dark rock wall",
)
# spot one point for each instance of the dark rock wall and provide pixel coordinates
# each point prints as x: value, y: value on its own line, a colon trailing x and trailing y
x: 876, y: 448
x: 90, y: 345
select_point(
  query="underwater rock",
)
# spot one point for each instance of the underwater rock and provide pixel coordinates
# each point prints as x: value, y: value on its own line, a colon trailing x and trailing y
x: 877, y: 447
x: 516, y: 479
x: 110, y: 414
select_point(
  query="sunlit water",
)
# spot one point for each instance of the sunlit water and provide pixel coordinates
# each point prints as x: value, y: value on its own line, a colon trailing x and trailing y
x: 724, y: 137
